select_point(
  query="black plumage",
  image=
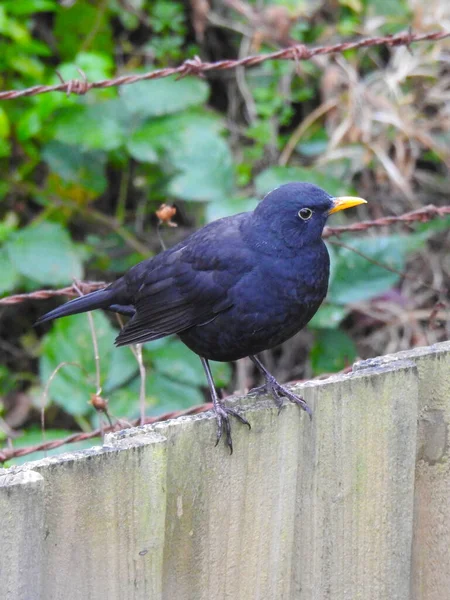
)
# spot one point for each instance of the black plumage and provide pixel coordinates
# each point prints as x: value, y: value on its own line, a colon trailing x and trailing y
x: 237, y: 286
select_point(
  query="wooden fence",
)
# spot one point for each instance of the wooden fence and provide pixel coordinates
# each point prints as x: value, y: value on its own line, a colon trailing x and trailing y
x: 354, y: 504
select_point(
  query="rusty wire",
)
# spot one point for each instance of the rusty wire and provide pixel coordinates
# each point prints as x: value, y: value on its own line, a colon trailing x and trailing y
x: 195, y: 66
x: 10, y: 453
x: 420, y: 215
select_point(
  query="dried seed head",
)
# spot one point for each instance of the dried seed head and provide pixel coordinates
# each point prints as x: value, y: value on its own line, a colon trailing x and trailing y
x: 100, y: 404
x: 165, y: 214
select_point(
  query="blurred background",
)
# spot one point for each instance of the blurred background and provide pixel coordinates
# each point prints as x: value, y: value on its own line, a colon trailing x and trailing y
x: 83, y: 176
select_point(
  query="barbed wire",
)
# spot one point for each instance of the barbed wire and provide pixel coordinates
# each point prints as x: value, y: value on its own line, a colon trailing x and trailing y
x: 195, y: 66
x: 421, y: 215
x: 10, y: 453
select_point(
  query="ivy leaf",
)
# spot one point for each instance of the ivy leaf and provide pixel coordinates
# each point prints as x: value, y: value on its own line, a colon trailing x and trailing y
x: 70, y: 340
x: 205, y: 164
x: 72, y: 164
x: 45, y: 254
x: 162, y: 133
x: 101, y: 126
x: 9, y: 276
x: 141, y: 147
x: 229, y: 206
x: 166, y: 394
x: 179, y: 363
x: 71, y: 24
x: 328, y: 316
x: 276, y: 176
x: 164, y: 96
x: 332, y: 351
x: 356, y: 279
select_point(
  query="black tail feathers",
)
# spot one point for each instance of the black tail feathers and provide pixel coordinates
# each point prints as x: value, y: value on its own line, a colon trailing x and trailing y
x: 99, y: 299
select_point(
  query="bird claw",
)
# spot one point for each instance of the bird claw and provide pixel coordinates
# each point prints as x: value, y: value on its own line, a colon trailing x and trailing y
x: 278, y: 392
x: 224, y: 425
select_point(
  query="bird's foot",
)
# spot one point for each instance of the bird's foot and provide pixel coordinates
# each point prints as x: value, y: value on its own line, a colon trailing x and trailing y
x: 223, y: 422
x: 279, y: 392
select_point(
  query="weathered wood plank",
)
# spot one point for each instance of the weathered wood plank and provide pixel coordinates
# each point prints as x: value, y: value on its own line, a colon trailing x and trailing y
x: 21, y: 534
x: 104, y: 521
x: 355, y: 488
x: 431, y: 543
x: 230, y: 518
x: 302, y: 509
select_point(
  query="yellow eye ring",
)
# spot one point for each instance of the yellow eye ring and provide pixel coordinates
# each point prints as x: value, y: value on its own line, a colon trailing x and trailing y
x: 305, y: 213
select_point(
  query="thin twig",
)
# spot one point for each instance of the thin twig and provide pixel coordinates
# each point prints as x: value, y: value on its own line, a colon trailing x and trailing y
x: 142, y: 375
x: 385, y: 266
x: 94, y: 344
x: 46, y: 390
x: 301, y: 128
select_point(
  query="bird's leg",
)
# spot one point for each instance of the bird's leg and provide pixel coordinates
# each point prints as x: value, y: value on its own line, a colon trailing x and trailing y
x: 277, y: 390
x: 222, y: 411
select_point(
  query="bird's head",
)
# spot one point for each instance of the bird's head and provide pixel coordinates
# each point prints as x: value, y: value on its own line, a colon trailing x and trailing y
x: 297, y: 212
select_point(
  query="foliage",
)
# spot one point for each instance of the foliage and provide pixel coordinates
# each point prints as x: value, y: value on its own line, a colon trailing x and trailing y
x: 83, y: 175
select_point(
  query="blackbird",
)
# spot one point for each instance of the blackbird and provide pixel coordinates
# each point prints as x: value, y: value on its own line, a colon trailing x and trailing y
x: 240, y: 285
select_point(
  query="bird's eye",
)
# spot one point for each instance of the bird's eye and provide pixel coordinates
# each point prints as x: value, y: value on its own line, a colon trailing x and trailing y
x: 305, y: 213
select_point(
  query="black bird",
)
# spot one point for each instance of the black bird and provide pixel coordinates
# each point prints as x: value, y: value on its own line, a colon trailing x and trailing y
x: 237, y: 286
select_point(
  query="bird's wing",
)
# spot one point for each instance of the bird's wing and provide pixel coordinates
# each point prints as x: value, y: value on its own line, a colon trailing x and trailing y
x: 185, y: 287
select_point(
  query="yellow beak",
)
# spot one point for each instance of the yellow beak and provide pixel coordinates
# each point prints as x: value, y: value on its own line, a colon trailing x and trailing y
x: 344, y: 202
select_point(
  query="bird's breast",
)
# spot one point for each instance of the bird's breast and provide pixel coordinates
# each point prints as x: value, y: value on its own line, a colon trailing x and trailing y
x: 269, y: 305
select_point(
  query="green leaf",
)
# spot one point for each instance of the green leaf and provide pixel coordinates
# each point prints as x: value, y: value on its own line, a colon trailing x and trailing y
x: 332, y: 351
x: 228, y: 207
x: 205, y: 164
x: 72, y: 26
x: 4, y: 124
x: 70, y: 340
x: 179, y: 363
x: 123, y: 367
x: 356, y: 279
x: 276, y: 176
x: 44, y: 253
x: 164, y: 96
x: 9, y: 276
x: 141, y: 147
x: 165, y: 394
x: 28, y: 7
x: 328, y: 316
x: 29, y: 124
x: 163, y: 133
x: 94, y: 65
x: 101, y: 126
x: 72, y: 164
x: 221, y: 373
